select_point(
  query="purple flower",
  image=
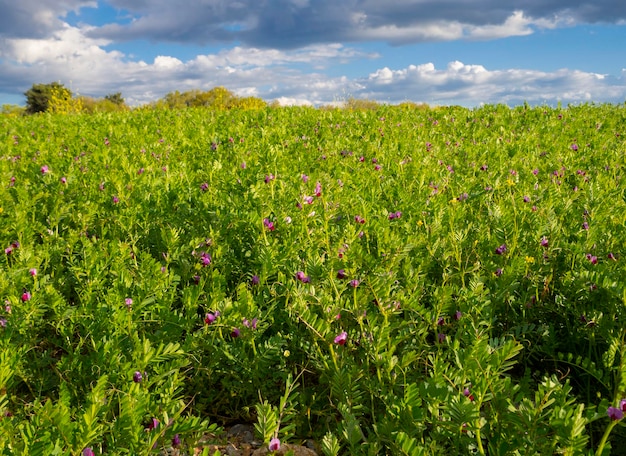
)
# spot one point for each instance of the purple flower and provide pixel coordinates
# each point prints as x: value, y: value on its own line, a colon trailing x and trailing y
x: 128, y: 302
x: 498, y: 272
x: 45, y: 169
x: 255, y: 280
x: 441, y: 338
x: 209, y: 318
x: 535, y: 171
x: 354, y: 283
x: 137, y: 377
x: 305, y: 178
x: 250, y: 324
x: 585, y: 226
x: 441, y: 321
x: 359, y: 219
x: 318, y: 189
x: 268, y: 224
x: 341, y: 274
x: 243, y: 165
x: 592, y: 258
x: 615, y: 413
x: 204, y: 186
x: 526, y: 199
x: 457, y: 315
x: 115, y: 199
x: 153, y: 424
x: 501, y: 250
x: 341, y: 338
x: 308, y: 199
x: 26, y: 296
x: 88, y: 452
x: 274, y: 444
x: 574, y: 147
x: 302, y: 277
x: 205, y: 259
x: 3, y: 322
x: 235, y: 333
x: 269, y: 178
x: 544, y: 242
x: 612, y: 257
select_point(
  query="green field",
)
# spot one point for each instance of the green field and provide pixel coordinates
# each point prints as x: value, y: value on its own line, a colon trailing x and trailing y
x: 393, y: 281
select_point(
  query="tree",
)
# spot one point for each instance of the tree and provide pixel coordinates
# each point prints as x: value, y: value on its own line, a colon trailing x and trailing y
x: 39, y: 95
x: 115, y: 98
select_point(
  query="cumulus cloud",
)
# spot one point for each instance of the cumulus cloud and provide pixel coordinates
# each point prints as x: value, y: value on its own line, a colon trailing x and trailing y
x: 471, y: 85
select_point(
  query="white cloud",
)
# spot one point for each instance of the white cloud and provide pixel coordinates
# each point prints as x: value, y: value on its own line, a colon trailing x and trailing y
x: 75, y: 59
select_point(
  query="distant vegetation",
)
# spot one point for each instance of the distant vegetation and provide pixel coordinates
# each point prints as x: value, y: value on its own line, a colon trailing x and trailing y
x: 55, y: 97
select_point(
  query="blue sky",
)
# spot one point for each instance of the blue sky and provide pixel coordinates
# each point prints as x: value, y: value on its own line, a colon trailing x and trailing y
x: 439, y: 52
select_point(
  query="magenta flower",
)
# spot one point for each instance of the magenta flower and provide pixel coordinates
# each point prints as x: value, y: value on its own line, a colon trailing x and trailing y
x: 235, y: 333
x: 544, y: 242
x: 498, y: 272
x: 250, y: 324
x: 269, y: 224
x: 341, y: 338
x: 308, y: 199
x: 341, y: 274
x: 255, y: 280
x: 318, y: 189
x: 612, y: 257
x: 204, y: 186
x: 88, y: 452
x: 137, y: 377
x: 457, y: 315
x: 354, y: 283
x: 615, y: 413
x: 585, y: 226
x: 115, y: 199
x: 526, y: 199
x: 574, y: 147
x: 305, y: 178
x: 269, y: 178
x: 209, y: 318
x: 128, y: 302
x: 176, y: 441
x: 302, y: 277
x: 441, y: 337
x: 359, y: 219
x: 32, y: 272
x: 64, y: 180
x: 26, y: 296
x: 501, y: 250
x: 274, y: 444
x: 153, y: 424
x: 592, y: 258
x: 45, y: 169
x: 205, y: 259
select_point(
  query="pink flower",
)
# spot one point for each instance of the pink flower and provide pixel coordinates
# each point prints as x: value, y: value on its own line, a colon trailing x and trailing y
x: 274, y: 444
x: 341, y: 338
x: 32, y: 272
x: 26, y: 296
x: 209, y: 318
x: 318, y: 189
x: 45, y: 169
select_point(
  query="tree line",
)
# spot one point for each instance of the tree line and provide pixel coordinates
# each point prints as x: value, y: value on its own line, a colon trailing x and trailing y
x: 55, y: 97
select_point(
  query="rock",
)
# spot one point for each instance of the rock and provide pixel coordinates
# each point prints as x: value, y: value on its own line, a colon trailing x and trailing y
x: 296, y: 450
